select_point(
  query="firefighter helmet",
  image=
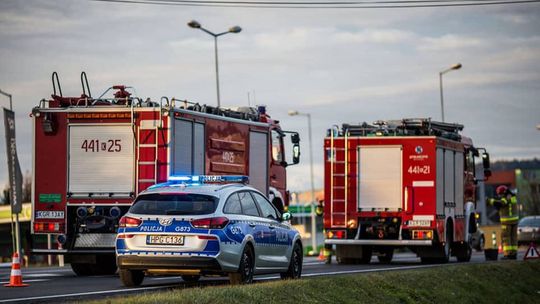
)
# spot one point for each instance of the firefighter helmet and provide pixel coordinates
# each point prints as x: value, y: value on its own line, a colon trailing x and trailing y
x: 501, y: 190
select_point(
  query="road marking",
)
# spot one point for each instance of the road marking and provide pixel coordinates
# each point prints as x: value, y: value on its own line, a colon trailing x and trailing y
x: 38, y: 275
x: 28, y: 281
x: 85, y: 293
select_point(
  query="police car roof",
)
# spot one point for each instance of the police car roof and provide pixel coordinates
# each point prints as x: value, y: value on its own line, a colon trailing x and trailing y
x: 207, y: 189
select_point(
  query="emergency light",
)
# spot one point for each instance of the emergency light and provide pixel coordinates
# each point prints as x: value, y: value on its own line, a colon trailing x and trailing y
x: 205, y: 179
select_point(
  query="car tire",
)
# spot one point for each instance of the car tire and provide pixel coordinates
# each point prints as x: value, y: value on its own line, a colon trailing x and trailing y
x: 82, y: 269
x: 295, y: 265
x: 131, y: 278
x: 191, y: 278
x: 245, y: 269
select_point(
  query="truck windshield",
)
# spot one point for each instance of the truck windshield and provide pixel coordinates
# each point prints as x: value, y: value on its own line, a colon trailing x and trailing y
x: 174, y: 204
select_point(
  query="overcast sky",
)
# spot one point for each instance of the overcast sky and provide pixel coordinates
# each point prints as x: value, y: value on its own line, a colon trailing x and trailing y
x: 340, y: 65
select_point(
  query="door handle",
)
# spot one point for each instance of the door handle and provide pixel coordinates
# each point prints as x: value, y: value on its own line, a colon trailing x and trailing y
x: 272, y: 227
x: 251, y: 224
x: 273, y: 176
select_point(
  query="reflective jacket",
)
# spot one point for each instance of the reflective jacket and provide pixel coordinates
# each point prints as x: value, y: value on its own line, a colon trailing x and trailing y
x: 508, y: 211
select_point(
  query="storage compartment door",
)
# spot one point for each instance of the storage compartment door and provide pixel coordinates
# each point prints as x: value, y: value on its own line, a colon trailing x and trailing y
x: 101, y: 160
x: 258, y: 161
x: 380, y: 177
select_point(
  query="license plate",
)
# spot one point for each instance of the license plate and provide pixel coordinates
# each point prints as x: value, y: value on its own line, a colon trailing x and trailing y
x: 420, y: 223
x: 165, y: 240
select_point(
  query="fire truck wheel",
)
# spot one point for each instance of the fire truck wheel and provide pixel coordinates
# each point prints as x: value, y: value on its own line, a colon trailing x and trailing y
x: 106, y: 265
x: 295, y: 265
x: 245, y: 269
x: 367, y: 253
x: 463, y: 252
x: 131, y: 278
x: 191, y: 278
x: 385, y: 256
x: 82, y: 269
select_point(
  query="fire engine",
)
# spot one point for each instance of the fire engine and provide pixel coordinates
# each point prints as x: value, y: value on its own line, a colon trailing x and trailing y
x: 400, y: 183
x: 92, y: 156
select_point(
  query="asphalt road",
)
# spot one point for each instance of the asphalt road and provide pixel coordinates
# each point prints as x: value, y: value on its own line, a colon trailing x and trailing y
x: 59, y: 284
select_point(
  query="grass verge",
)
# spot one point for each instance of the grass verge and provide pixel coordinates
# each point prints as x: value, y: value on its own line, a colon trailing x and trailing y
x: 498, y: 282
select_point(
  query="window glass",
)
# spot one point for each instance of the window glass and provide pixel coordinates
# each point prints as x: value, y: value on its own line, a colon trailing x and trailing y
x: 268, y: 211
x: 277, y: 154
x: 248, y: 204
x: 174, y: 204
x: 233, y: 205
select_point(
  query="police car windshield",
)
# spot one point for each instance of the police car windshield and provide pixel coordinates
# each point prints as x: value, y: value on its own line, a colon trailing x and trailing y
x: 174, y: 204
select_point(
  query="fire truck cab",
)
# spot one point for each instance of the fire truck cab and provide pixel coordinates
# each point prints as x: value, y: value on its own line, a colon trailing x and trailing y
x: 401, y: 183
x: 92, y: 156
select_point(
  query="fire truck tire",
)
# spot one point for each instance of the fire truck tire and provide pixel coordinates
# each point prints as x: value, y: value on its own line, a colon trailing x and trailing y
x: 191, y: 278
x: 295, y: 264
x: 385, y: 256
x: 245, y: 269
x: 82, y: 269
x: 463, y: 252
x: 131, y: 278
x: 106, y: 265
x: 367, y: 253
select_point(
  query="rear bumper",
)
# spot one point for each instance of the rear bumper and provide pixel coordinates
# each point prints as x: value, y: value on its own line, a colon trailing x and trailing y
x: 179, y: 263
x: 380, y: 242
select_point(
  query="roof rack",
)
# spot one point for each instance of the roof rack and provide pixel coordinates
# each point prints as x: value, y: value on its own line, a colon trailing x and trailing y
x: 244, y: 113
x: 403, y: 127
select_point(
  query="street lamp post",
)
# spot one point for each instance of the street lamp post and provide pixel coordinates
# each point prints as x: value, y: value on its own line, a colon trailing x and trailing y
x: 313, y: 216
x: 15, y: 237
x: 235, y: 29
x: 456, y: 66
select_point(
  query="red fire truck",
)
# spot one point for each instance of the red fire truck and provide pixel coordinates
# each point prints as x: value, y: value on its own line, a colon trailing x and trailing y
x: 92, y: 156
x: 404, y: 183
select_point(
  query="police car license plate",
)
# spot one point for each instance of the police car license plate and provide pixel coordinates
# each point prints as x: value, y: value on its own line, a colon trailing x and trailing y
x: 165, y: 240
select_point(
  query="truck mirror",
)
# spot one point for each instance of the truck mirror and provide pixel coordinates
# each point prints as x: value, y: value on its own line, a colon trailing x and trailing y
x: 485, y: 160
x: 296, y: 153
x: 295, y: 138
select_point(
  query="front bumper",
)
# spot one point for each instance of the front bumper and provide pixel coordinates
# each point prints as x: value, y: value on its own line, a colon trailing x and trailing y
x: 204, y: 264
x: 380, y: 242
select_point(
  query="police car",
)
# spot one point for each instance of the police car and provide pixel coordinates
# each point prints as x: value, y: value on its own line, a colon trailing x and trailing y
x: 206, y: 225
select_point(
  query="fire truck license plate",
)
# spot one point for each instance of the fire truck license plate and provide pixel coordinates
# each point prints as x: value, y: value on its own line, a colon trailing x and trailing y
x: 165, y: 240
x: 419, y: 223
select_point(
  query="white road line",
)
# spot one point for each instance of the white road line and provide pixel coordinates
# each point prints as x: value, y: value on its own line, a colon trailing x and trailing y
x: 165, y: 278
x: 28, y: 281
x: 84, y: 294
x: 38, y: 275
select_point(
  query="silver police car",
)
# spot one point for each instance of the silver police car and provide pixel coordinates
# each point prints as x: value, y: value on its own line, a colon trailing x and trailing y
x: 203, y: 225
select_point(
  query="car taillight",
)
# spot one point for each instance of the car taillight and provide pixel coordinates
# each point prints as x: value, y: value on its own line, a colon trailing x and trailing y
x: 128, y: 222
x: 210, y: 223
x: 125, y: 236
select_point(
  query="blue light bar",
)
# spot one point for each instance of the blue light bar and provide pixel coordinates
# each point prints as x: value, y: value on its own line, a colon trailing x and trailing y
x: 205, y: 179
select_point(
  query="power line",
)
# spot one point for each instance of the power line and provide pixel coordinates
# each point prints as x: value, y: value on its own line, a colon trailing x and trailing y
x: 327, y: 5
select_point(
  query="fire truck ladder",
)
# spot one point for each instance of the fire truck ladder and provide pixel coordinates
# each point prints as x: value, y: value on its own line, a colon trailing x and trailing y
x: 333, y: 176
x: 148, y: 144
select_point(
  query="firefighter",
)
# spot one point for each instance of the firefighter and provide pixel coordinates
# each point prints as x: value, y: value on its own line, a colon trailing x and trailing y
x: 506, y: 204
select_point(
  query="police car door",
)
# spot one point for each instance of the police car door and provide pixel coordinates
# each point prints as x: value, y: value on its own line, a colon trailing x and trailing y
x: 257, y: 228
x: 280, y: 238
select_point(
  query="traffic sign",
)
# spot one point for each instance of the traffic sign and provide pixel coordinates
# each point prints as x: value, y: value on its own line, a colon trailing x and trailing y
x: 532, y: 252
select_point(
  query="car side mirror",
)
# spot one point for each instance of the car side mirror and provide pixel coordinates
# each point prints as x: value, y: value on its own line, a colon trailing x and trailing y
x: 285, y: 217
